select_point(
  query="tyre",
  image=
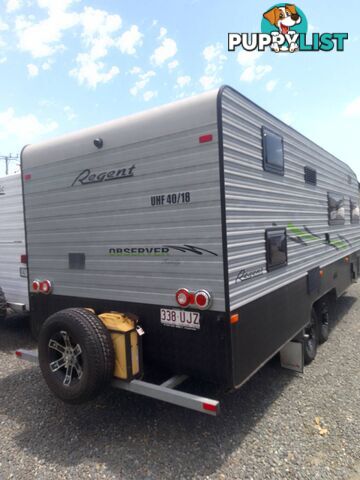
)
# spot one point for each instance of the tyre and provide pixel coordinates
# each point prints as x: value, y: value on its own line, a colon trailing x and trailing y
x: 323, y: 322
x: 3, y: 305
x: 311, y: 338
x: 76, y: 355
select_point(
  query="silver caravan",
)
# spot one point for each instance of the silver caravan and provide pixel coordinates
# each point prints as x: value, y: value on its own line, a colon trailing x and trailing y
x: 211, y: 229
x: 13, y: 269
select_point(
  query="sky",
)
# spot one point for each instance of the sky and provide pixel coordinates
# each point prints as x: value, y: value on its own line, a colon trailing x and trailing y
x: 71, y: 64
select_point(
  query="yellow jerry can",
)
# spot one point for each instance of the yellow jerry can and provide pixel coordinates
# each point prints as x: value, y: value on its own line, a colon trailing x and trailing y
x: 127, y: 345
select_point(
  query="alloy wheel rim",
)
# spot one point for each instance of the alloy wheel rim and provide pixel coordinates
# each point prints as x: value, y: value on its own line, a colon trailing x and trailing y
x: 66, y: 358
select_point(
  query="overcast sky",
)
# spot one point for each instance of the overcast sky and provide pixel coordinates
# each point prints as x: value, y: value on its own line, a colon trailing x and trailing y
x: 69, y: 64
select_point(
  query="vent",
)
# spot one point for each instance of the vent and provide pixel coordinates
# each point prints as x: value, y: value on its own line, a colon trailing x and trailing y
x: 76, y: 261
x: 310, y: 176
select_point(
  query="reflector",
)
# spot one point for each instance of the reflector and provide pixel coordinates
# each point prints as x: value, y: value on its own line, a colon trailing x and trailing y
x: 208, y: 406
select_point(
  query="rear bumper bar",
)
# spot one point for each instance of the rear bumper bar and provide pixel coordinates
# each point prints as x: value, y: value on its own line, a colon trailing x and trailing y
x: 165, y: 391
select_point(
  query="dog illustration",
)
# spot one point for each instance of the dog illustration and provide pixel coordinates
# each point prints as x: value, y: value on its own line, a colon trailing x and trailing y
x: 283, y: 18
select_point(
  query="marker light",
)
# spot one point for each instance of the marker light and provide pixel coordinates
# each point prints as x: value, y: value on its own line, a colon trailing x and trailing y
x: 205, y: 138
x: 183, y: 297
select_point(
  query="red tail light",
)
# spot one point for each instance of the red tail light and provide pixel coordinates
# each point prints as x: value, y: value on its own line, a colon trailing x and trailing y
x: 35, y: 286
x: 200, y: 299
x: 45, y: 287
x: 183, y: 297
x: 24, y: 259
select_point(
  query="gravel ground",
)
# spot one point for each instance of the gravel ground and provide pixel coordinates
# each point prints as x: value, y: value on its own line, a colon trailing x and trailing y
x: 280, y: 425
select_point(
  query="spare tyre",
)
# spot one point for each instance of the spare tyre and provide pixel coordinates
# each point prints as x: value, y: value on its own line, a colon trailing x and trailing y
x: 76, y: 355
x: 3, y: 305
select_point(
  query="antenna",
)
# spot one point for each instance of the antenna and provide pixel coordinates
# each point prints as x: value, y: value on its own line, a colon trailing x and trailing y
x: 9, y: 158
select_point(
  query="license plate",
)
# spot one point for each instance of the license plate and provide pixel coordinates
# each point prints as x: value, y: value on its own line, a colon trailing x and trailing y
x: 180, y: 319
x: 23, y: 272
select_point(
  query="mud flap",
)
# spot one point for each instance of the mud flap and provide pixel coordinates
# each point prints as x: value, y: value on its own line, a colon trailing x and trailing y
x: 292, y: 356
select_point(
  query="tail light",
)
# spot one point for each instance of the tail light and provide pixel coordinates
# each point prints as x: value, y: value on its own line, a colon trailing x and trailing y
x: 200, y: 299
x: 24, y: 259
x: 183, y: 297
x: 35, y: 286
x: 45, y: 287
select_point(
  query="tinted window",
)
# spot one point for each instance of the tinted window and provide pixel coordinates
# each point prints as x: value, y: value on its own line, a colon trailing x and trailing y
x: 276, y: 248
x: 273, y: 152
x: 354, y: 211
x: 336, y: 207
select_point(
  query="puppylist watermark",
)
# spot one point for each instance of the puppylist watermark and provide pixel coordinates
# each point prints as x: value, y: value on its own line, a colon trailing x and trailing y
x: 284, y: 28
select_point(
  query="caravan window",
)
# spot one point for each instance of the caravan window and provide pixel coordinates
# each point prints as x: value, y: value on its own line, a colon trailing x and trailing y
x: 354, y: 211
x: 276, y: 248
x: 336, y: 207
x: 273, y: 152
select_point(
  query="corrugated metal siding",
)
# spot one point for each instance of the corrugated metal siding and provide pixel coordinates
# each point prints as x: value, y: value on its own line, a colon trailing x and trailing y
x: 90, y: 219
x: 257, y: 200
x: 12, y: 240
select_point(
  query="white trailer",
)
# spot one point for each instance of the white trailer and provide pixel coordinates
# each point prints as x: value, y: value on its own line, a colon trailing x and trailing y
x: 13, y: 269
x: 224, y: 231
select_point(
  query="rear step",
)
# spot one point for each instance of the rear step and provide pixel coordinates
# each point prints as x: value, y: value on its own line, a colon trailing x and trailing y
x: 165, y: 391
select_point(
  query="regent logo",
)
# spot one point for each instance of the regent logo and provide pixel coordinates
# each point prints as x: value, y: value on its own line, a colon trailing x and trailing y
x: 2, y: 190
x: 284, y: 28
x: 244, y: 274
x: 88, y: 177
x: 162, y: 250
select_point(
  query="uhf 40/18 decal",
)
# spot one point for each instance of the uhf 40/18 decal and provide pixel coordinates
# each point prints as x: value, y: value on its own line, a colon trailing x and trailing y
x: 158, y: 251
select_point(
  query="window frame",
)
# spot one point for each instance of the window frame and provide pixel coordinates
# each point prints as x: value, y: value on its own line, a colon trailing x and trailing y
x: 336, y: 221
x: 269, y: 167
x: 269, y: 232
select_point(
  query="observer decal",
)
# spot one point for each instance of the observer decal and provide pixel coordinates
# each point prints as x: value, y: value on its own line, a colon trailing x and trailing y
x: 284, y: 28
x: 161, y: 250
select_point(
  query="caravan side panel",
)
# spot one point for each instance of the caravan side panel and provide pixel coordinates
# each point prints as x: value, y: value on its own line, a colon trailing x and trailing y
x: 12, y: 240
x: 274, y: 305
x: 257, y: 200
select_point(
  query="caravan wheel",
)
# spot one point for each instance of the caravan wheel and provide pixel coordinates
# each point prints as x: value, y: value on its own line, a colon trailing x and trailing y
x: 311, y: 338
x: 76, y: 355
x: 3, y: 305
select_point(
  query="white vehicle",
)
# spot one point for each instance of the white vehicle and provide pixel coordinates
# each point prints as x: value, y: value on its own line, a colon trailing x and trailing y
x: 226, y: 234
x: 13, y: 262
